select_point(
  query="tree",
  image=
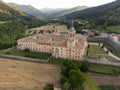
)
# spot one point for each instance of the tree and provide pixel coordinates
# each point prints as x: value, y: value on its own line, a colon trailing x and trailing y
x: 84, y: 66
x: 76, y: 79
x: 67, y: 66
x: 49, y: 87
x: 66, y: 86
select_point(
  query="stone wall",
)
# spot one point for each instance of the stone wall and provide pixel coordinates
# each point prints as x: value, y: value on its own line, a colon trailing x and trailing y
x: 22, y: 58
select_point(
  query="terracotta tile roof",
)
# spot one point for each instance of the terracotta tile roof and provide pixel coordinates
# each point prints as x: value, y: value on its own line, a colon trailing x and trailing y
x: 48, y: 39
x: 63, y: 43
x: 59, y: 40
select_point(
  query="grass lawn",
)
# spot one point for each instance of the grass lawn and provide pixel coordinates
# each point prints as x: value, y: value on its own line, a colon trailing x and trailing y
x: 105, y: 69
x: 28, y: 54
x: 95, y: 51
x: 114, y: 29
x: 107, y: 87
x: 91, y: 84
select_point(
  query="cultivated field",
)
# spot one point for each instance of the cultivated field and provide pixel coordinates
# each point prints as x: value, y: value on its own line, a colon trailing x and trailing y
x: 106, y: 81
x: 101, y: 79
x: 114, y: 29
x: 20, y: 75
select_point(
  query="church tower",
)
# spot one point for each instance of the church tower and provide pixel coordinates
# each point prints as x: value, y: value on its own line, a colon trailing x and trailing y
x: 71, y: 37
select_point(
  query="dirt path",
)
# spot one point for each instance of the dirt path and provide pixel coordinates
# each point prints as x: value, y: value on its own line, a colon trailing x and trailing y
x: 19, y: 75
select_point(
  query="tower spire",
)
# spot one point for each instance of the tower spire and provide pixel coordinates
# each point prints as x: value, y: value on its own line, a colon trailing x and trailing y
x: 72, y: 23
x: 72, y: 29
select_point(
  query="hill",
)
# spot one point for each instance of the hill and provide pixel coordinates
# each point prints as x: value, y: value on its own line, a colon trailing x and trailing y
x: 29, y: 9
x: 105, y: 14
x: 13, y: 23
x: 46, y: 12
x: 7, y: 12
x: 67, y: 11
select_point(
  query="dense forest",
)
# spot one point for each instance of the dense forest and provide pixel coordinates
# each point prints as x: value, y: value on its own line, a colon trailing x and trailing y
x: 105, y: 15
x: 13, y: 23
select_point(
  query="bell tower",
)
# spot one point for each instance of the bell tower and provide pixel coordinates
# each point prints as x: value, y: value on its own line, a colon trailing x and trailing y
x: 71, y: 37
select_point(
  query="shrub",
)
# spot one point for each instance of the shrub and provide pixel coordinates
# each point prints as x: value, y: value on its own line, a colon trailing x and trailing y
x: 49, y: 87
x: 26, y: 50
x: 76, y: 79
x: 84, y: 66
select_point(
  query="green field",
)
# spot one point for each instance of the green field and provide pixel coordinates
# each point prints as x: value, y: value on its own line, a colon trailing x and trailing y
x: 27, y: 54
x: 105, y: 69
x: 91, y: 84
x: 107, y: 87
x: 114, y: 29
x: 95, y: 51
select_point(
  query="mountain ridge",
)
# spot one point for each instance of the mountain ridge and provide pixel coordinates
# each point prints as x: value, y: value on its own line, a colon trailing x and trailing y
x: 47, y: 12
x: 90, y: 12
x: 28, y: 9
x: 8, y: 12
x: 67, y: 11
x: 52, y: 10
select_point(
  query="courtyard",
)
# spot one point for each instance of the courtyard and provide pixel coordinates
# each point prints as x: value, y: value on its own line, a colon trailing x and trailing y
x: 95, y: 51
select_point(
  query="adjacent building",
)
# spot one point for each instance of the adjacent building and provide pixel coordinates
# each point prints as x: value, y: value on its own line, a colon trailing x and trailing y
x: 115, y: 38
x: 60, y: 45
x: 114, y: 41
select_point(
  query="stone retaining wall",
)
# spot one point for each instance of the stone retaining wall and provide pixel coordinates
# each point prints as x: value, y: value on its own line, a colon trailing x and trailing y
x: 23, y: 58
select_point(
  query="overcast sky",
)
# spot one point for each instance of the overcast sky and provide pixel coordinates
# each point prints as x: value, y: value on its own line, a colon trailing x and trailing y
x: 39, y: 4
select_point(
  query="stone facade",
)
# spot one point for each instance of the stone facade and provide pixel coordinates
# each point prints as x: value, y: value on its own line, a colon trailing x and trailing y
x: 70, y: 45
